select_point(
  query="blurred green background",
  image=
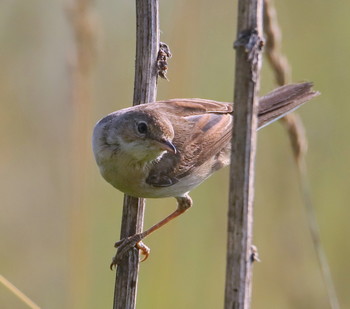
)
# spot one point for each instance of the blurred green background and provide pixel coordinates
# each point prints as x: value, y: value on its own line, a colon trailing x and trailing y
x: 59, y: 218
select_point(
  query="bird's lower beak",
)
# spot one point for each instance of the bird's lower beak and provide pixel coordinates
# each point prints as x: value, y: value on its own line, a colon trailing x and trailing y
x: 168, y: 146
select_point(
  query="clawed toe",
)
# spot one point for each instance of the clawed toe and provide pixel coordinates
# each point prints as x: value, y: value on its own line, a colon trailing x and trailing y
x: 145, y: 251
x: 126, y: 244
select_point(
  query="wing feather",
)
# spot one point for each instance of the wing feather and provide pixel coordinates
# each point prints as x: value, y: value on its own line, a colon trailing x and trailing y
x: 202, y: 129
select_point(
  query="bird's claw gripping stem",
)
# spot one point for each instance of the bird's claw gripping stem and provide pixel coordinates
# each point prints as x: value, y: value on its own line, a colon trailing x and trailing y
x: 126, y: 244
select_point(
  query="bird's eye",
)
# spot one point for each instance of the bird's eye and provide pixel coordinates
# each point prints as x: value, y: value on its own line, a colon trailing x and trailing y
x: 142, y: 127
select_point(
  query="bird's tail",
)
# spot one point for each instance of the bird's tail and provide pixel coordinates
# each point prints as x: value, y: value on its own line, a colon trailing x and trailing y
x: 282, y: 101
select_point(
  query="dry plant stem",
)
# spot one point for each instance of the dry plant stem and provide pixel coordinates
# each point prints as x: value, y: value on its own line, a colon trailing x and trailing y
x: 240, y: 212
x: 295, y: 128
x: 145, y: 90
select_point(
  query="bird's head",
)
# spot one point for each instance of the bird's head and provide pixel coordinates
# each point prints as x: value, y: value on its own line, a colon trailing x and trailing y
x: 141, y: 134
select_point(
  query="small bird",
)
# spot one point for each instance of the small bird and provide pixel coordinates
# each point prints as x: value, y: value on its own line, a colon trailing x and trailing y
x: 167, y: 148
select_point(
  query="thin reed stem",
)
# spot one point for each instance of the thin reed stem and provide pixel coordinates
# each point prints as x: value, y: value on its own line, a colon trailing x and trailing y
x: 145, y: 90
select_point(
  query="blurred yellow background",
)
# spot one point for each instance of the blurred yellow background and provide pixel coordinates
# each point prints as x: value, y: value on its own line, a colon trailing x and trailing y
x: 59, y: 218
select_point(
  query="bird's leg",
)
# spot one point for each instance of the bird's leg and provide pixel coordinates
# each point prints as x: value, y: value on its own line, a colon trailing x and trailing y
x: 124, y: 245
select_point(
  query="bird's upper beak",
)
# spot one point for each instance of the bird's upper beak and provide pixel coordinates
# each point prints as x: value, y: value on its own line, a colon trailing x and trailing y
x: 168, y: 146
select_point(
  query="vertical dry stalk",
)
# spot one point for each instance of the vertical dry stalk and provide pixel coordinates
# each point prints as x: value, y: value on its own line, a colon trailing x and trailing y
x: 240, y: 214
x: 145, y: 90
x: 83, y: 28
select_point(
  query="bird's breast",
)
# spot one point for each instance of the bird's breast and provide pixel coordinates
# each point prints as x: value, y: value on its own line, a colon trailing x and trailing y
x: 129, y: 176
x: 126, y: 175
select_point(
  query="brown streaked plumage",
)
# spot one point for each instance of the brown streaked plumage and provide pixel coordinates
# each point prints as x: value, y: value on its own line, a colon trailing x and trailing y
x: 167, y: 148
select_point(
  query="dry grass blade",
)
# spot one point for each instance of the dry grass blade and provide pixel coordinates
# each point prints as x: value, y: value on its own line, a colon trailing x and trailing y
x: 282, y: 71
x: 315, y: 235
x: 296, y: 132
x: 18, y: 293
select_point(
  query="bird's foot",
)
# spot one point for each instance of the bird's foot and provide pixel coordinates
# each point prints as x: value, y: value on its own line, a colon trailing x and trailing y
x: 126, y: 244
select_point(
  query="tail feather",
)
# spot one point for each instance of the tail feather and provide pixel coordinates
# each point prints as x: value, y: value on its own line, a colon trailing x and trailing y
x: 282, y: 101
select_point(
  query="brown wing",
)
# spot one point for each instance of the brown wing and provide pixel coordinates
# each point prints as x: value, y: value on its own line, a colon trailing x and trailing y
x: 202, y: 129
x: 189, y: 107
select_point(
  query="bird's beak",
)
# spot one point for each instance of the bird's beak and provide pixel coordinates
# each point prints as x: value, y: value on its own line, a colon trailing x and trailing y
x: 168, y: 146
